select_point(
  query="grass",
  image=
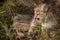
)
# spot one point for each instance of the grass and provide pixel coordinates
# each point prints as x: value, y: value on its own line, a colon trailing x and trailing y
x: 37, y: 31
x: 6, y: 20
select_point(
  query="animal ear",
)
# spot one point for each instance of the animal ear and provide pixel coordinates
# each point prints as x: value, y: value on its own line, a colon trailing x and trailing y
x: 44, y: 7
x: 35, y: 4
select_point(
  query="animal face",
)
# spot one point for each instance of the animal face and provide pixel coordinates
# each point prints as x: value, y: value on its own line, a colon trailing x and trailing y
x: 40, y: 12
x: 39, y: 15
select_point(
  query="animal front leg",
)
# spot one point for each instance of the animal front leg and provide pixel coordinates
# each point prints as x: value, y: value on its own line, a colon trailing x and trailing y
x: 33, y: 22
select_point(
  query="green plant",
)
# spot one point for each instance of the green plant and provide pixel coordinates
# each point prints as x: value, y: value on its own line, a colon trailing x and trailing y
x: 38, y: 31
x: 5, y: 21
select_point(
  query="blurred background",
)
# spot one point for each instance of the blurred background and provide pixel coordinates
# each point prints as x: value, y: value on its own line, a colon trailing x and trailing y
x: 17, y: 15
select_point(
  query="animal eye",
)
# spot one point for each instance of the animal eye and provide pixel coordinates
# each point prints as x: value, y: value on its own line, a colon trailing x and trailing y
x: 38, y: 19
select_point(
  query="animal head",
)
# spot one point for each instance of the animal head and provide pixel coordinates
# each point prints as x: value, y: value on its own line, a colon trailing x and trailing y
x: 40, y: 12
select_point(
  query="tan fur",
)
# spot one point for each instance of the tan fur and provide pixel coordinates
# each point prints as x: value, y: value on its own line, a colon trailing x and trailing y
x: 50, y: 21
